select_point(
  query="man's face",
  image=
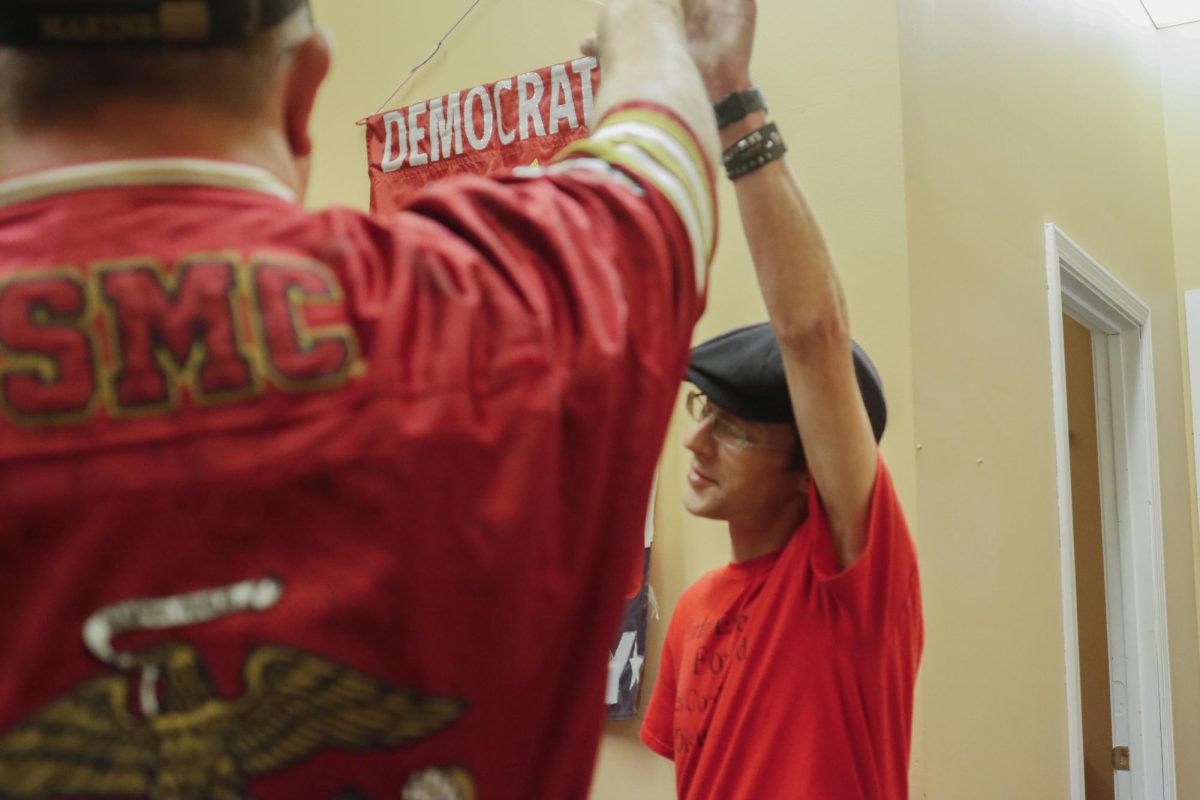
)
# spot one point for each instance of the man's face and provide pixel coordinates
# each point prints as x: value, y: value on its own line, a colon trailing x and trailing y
x: 741, y: 471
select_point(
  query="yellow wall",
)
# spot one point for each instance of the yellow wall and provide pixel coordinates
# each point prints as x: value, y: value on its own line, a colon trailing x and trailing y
x: 1019, y: 114
x: 934, y: 138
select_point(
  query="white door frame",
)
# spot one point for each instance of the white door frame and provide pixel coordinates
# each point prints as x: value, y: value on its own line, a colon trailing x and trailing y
x: 1131, y: 510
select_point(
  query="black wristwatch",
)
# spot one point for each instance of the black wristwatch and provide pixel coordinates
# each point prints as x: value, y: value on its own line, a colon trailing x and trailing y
x: 735, y: 107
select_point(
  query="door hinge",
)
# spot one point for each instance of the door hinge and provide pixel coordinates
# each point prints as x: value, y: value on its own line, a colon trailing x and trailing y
x: 1120, y: 759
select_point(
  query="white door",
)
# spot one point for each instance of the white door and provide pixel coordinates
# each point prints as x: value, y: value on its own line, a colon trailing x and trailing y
x: 1100, y: 605
x: 1131, y: 511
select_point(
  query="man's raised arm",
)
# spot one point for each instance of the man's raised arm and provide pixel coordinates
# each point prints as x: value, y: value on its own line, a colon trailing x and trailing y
x: 803, y: 295
x: 644, y: 49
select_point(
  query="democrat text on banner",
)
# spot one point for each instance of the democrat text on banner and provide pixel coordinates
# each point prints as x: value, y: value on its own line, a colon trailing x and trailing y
x: 513, y: 122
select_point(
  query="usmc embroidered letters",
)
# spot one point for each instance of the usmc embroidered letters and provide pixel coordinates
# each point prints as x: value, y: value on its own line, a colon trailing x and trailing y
x: 135, y: 337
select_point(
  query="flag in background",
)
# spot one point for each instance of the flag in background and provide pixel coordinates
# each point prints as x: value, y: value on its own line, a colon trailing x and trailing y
x: 628, y: 655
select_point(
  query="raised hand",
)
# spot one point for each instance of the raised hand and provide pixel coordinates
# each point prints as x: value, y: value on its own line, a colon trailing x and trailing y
x: 720, y: 37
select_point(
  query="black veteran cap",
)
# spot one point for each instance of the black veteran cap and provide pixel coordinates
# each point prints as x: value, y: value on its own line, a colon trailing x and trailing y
x: 742, y: 372
x: 79, y: 23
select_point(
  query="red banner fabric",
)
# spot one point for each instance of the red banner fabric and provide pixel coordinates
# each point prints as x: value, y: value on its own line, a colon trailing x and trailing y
x: 510, y: 123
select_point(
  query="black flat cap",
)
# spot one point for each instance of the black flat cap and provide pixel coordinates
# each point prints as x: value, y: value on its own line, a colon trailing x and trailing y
x: 99, y: 23
x: 742, y: 372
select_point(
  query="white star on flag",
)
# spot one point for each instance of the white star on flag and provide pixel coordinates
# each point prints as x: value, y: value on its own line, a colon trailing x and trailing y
x: 635, y: 663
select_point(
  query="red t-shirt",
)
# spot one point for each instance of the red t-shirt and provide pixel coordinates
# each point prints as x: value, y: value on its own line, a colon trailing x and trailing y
x: 785, y: 679
x: 316, y: 505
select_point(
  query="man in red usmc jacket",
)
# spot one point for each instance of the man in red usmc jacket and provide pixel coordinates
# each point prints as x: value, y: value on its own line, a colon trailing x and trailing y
x: 317, y: 504
x: 788, y: 673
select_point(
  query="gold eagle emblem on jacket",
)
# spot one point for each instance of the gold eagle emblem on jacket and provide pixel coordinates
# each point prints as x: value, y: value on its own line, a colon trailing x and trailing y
x: 201, y: 745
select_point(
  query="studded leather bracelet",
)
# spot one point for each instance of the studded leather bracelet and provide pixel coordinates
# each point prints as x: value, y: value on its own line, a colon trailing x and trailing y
x: 754, y: 151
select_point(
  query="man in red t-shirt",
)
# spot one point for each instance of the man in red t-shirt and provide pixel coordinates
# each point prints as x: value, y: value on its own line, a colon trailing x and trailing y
x: 788, y: 673
x: 314, y: 505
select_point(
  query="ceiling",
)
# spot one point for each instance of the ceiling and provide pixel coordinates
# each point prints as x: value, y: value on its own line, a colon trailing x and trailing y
x: 1166, y: 13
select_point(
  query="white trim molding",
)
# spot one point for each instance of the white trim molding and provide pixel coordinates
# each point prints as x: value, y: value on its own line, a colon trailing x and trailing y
x: 1122, y: 347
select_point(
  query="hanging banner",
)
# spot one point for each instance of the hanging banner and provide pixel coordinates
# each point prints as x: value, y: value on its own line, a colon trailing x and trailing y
x: 627, y: 658
x: 514, y: 122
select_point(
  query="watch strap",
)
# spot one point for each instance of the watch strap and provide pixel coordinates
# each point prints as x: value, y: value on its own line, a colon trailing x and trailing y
x: 736, y: 106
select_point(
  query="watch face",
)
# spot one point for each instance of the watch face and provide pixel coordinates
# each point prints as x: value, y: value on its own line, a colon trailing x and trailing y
x: 736, y: 106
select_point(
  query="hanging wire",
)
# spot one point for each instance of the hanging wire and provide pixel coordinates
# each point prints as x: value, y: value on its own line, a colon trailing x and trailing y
x: 436, y: 49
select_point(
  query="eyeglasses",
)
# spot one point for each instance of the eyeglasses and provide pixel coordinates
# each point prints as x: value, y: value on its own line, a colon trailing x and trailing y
x: 724, y: 431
